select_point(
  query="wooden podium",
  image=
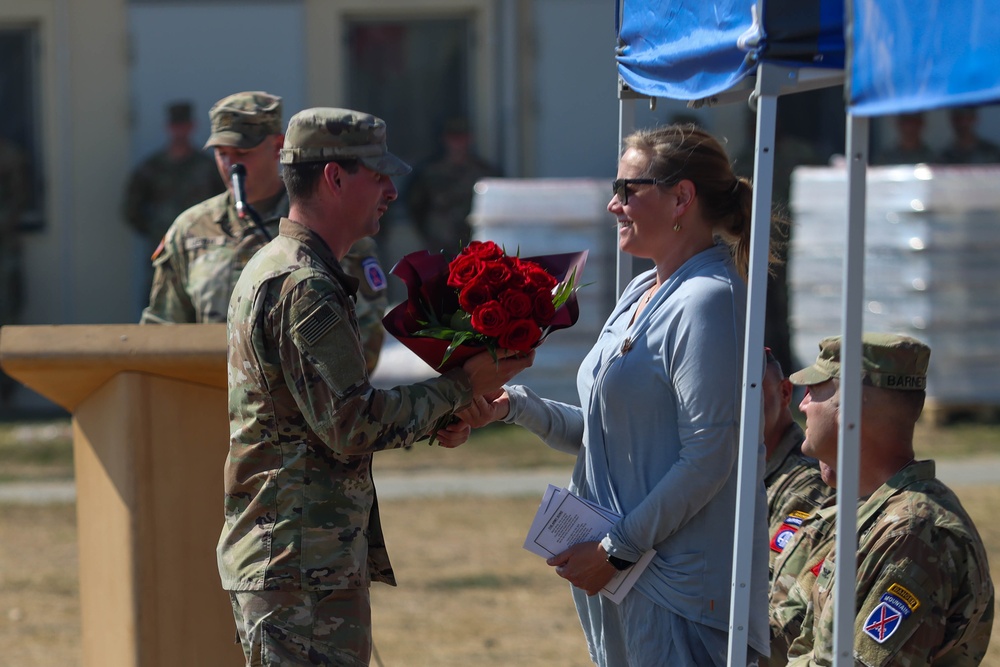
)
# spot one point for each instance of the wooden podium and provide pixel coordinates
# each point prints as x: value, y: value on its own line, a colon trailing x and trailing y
x: 150, y: 437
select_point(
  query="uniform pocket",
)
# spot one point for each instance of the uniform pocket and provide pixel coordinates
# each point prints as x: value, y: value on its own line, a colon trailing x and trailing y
x: 283, y: 647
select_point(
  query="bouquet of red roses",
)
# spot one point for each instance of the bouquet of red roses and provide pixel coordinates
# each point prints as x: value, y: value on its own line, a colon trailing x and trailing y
x: 483, y: 299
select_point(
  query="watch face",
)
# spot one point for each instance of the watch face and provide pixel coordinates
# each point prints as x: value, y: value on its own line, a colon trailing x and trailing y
x: 619, y: 564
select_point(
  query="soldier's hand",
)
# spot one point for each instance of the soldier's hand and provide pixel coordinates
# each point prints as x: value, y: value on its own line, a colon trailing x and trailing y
x: 488, y: 376
x: 453, y: 435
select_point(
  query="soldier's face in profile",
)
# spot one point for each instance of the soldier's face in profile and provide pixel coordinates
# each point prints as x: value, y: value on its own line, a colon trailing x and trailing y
x: 821, y: 407
x: 368, y: 194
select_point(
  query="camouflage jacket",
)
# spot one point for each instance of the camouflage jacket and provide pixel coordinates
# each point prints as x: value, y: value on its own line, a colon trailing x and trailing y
x: 794, y: 490
x: 205, y: 251
x: 924, y: 593
x: 161, y: 188
x: 300, y: 504
x: 793, y: 575
x: 202, y: 256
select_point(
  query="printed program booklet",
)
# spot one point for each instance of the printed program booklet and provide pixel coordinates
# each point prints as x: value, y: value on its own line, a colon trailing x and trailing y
x: 564, y: 519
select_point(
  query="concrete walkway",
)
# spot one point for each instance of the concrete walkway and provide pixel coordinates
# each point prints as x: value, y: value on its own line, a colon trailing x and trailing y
x: 955, y: 473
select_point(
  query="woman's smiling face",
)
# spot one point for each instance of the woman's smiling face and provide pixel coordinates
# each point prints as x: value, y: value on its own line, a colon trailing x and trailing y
x: 642, y: 221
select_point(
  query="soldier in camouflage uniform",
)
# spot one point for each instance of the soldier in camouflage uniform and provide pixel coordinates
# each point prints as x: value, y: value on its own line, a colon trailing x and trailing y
x: 169, y: 181
x: 924, y: 593
x: 302, y: 539
x: 794, y: 486
x: 205, y: 250
x: 439, y: 197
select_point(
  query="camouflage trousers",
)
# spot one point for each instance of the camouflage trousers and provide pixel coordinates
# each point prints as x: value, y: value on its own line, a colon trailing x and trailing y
x: 304, y: 627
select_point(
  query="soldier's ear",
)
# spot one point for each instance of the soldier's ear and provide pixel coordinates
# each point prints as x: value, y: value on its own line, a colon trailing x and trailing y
x: 279, y: 141
x: 333, y: 176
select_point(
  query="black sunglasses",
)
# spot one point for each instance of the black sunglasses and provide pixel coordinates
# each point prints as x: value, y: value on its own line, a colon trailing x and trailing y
x: 620, y: 186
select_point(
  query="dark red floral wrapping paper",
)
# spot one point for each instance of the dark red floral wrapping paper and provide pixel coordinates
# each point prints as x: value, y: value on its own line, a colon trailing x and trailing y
x: 426, y: 276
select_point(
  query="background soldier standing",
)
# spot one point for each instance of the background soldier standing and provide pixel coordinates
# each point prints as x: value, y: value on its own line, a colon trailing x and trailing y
x: 169, y: 181
x: 439, y: 197
x: 303, y: 540
x: 204, y: 251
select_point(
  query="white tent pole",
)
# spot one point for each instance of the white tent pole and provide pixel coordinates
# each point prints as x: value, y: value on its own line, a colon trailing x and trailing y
x: 626, y: 125
x: 850, y: 394
x: 745, y: 550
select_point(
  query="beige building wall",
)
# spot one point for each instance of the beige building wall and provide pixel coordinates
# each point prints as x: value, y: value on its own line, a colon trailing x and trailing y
x: 77, y: 268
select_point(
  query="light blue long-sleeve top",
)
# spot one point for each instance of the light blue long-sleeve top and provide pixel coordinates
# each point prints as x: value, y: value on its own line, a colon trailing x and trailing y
x: 657, y: 437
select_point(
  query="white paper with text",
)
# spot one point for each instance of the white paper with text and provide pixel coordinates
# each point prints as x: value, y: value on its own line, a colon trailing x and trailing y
x: 564, y: 519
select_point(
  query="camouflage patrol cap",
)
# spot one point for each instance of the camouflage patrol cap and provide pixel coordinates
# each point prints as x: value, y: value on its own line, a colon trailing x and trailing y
x: 890, y: 361
x: 325, y: 134
x: 243, y: 120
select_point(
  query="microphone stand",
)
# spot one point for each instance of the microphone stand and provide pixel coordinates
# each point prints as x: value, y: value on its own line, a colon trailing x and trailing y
x: 237, y: 175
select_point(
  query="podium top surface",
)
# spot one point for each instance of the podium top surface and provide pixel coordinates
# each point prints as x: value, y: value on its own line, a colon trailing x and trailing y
x: 66, y: 363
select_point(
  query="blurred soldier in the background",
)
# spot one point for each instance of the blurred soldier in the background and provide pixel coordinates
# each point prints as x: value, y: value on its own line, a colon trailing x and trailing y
x: 439, y: 197
x: 966, y: 146
x: 14, y: 184
x: 169, y: 181
x: 207, y: 247
x: 910, y: 147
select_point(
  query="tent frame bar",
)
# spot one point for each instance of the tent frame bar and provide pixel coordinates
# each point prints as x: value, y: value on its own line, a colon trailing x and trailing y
x: 761, y: 93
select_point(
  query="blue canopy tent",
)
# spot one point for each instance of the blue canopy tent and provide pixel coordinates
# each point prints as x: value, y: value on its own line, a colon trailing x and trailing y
x: 921, y: 55
x: 901, y: 57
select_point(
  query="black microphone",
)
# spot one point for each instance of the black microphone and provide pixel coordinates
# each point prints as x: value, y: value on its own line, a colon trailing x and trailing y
x: 238, y: 174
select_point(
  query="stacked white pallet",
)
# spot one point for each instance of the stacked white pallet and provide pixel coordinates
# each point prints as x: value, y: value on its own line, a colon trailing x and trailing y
x: 932, y: 268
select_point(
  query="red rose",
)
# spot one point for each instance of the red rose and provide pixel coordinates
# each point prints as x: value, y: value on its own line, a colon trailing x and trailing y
x: 490, y: 319
x: 543, y: 311
x: 484, y: 250
x: 521, y: 335
x: 538, y: 277
x: 462, y: 269
x: 496, y: 273
x: 517, y: 303
x: 474, y: 294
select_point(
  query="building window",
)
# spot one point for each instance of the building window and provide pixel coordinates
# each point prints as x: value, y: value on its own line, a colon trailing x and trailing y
x: 21, y: 168
x: 414, y: 74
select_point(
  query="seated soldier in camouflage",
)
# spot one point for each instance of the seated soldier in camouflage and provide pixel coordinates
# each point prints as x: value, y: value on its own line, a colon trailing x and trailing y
x: 924, y: 593
x: 302, y: 539
x: 204, y: 251
x: 795, y: 488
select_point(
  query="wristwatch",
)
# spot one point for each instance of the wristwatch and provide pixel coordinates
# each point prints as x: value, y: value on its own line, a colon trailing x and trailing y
x: 619, y: 563
x: 616, y: 562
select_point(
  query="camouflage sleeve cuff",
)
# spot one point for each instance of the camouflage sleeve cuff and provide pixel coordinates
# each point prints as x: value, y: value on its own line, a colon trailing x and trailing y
x: 463, y: 385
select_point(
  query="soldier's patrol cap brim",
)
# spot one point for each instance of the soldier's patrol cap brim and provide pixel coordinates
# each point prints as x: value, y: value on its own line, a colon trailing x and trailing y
x: 889, y: 361
x: 234, y: 140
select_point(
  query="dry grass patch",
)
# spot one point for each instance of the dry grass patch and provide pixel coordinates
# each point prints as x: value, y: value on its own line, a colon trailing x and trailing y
x: 468, y: 593
x: 39, y: 593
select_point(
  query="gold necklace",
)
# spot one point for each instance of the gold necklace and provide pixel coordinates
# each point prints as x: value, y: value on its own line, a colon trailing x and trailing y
x: 649, y: 295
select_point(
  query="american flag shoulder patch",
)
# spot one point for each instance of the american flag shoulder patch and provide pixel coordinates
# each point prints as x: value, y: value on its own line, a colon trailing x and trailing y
x: 318, y: 323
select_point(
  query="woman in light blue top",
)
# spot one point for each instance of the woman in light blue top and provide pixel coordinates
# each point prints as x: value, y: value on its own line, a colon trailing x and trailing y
x: 656, y: 434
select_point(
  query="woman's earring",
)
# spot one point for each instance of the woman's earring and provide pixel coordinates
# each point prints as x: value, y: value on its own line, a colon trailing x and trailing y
x: 677, y: 226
